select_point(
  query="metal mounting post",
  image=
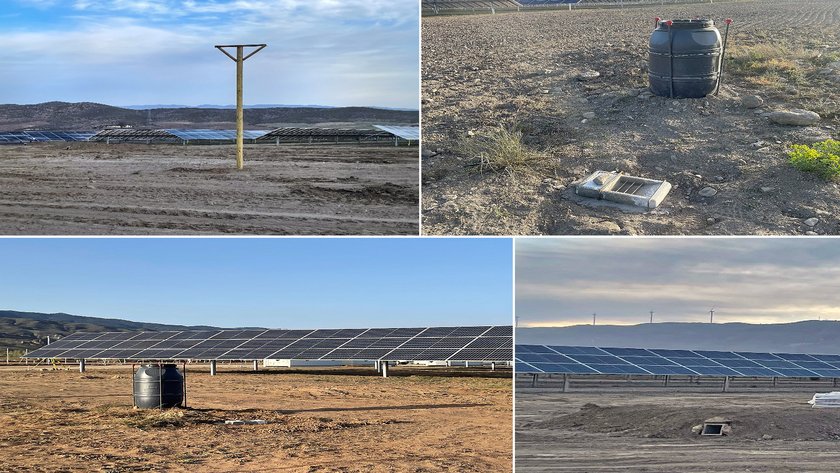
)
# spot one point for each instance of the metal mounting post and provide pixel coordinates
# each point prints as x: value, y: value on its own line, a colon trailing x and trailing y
x: 82, y: 365
x: 240, y: 59
x: 384, y: 365
x: 212, y: 367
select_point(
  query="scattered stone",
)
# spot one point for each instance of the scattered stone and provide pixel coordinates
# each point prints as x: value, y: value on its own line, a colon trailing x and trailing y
x: 796, y: 117
x: 766, y: 437
x: 811, y: 233
x: 813, y: 221
x: 588, y: 75
x: 759, y: 144
x: 711, y: 220
x: 645, y: 95
x: 589, y: 115
x: 427, y: 153
x: 766, y: 189
x: 752, y: 101
x: 707, y: 192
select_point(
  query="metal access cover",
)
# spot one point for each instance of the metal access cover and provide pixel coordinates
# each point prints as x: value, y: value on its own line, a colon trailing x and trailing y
x: 623, y: 189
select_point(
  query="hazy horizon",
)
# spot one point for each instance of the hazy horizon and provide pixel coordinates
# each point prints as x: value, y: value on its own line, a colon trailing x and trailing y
x: 771, y: 280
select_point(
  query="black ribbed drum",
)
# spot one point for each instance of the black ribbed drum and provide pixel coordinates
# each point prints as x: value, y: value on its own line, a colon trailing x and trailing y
x: 684, y: 58
x: 158, y: 386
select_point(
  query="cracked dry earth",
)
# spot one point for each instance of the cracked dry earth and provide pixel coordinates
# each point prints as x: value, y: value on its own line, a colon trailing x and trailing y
x: 317, y: 421
x: 521, y: 69
x: 101, y: 189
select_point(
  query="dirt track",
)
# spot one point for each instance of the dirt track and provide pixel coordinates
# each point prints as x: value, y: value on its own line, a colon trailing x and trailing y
x: 650, y: 431
x: 66, y: 421
x: 95, y: 188
x: 520, y: 70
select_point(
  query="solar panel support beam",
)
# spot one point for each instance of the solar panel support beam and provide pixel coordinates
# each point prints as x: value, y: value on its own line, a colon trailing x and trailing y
x: 726, y: 384
x: 82, y: 365
x: 384, y: 369
x: 566, y: 382
x: 256, y: 365
x: 212, y: 367
x: 240, y: 116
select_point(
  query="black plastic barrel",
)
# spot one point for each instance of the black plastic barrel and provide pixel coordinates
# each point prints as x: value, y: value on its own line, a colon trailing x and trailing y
x: 157, y: 386
x: 684, y: 58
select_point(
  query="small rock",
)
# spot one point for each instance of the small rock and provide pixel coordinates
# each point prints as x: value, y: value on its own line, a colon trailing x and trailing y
x: 588, y: 75
x: 707, y: 192
x: 766, y: 437
x: 758, y: 144
x: 589, y: 115
x: 811, y: 233
x: 427, y: 153
x: 711, y: 220
x: 812, y: 221
x: 752, y: 101
x: 796, y: 117
x: 766, y: 189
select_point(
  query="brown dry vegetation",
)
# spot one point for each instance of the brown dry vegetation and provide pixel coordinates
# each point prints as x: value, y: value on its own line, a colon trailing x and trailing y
x: 96, y: 188
x: 317, y: 421
x: 482, y: 72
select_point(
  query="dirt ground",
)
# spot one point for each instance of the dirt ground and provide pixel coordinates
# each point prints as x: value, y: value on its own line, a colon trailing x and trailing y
x: 318, y: 421
x: 96, y: 188
x: 521, y: 70
x: 649, y: 430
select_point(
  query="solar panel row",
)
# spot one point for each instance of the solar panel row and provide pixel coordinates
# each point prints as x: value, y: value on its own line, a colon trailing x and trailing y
x: 41, y: 136
x: 482, y: 343
x: 592, y: 360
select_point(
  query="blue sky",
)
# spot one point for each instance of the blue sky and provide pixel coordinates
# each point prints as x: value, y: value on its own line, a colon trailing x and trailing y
x: 136, y: 52
x: 757, y: 280
x: 282, y: 283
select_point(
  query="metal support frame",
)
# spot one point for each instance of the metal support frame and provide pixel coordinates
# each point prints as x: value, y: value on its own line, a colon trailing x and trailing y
x: 82, y: 365
x: 726, y: 384
x: 492, y: 366
x: 256, y: 365
x: 240, y: 116
x: 566, y: 383
x: 384, y: 369
x: 212, y: 367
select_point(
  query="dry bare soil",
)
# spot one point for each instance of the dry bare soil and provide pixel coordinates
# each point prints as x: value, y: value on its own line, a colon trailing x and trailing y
x: 650, y: 431
x: 317, y: 421
x: 520, y: 70
x: 96, y: 188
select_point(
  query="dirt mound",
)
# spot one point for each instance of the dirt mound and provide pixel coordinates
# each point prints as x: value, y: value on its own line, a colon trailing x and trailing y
x: 797, y: 422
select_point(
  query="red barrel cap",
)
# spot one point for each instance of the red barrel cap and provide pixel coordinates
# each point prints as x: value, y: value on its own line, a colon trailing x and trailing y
x: 669, y: 22
x: 728, y: 21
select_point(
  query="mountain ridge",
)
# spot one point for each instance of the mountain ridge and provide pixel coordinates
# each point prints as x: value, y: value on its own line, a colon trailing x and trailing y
x: 94, y: 116
x: 809, y: 336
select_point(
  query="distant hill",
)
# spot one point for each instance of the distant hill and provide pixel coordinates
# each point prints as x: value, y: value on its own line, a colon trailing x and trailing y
x: 93, y: 116
x: 799, y: 337
x: 29, y: 330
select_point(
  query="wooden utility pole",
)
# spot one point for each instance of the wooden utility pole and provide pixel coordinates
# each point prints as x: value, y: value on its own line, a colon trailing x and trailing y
x: 239, y: 59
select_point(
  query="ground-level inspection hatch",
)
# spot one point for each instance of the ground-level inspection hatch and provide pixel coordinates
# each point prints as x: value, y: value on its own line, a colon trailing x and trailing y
x: 715, y: 428
x: 623, y: 189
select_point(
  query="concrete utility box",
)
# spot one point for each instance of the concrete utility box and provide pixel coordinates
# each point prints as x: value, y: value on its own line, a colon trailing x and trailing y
x: 623, y: 189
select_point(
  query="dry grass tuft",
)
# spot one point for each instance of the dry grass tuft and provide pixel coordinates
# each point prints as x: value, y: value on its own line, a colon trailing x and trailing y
x: 500, y: 149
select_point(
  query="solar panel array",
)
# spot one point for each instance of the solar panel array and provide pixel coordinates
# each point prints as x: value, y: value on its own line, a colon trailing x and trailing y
x: 176, y: 133
x: 592, y: 360
x: 405, y: 132
x: 17, y: 137
x: 481, y: 343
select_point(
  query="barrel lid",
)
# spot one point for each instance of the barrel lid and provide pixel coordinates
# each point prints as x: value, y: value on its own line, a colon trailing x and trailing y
x: 684, y: 24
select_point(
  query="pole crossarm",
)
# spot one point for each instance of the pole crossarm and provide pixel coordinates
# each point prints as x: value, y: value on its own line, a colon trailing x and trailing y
x: 222, y: 47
